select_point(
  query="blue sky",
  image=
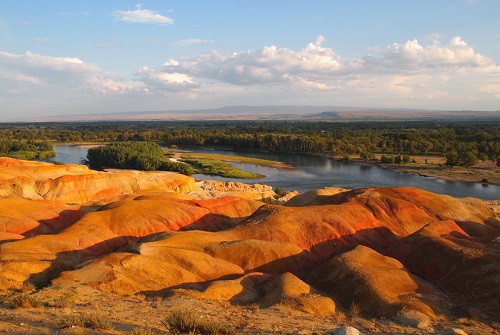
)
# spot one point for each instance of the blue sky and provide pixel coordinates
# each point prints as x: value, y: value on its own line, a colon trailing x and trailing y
x: 90, y: 57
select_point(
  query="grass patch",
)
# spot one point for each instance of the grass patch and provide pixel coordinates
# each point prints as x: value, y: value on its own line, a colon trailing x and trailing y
x: 22, y: 300
x: 188, y: 322
x: 354, y: 311
x: 62, y: 301
x: 90, y: 320
x: 214, y: 167
x: 238, y: 159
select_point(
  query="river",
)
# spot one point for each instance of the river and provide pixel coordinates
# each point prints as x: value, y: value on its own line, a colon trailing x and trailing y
x: 315, y: 172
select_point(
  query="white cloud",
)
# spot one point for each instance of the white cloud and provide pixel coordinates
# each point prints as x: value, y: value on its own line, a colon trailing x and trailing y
x: 140, y: 15
x: 192, y: 41
x: 411, y: 73
x: 57, y: 76
x: 268, y: 65
x: 165, y: 82
x: 316, y: 66
x: 402, y: 73
x: 412, y: 55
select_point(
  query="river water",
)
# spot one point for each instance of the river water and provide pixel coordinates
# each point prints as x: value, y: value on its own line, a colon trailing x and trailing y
x: 315, y: 172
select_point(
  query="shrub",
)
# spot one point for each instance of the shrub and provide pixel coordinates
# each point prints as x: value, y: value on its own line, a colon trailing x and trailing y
x: 354, y: 311
x: 346, y: 158
x: 61, y: 301
x: 387, y: 159
x: 22, y: 300
x: 406, y: 159
x: 90, y: 320
x: 188, y: 322
x: 367, y: 156
x: 280, y: 191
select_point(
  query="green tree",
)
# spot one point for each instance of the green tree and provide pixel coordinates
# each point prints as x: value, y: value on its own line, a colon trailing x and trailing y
x: 452, y: 159
x: 367, y: 156
x: 406, y: 159
x: 388, y: 159
x: 468, y: 159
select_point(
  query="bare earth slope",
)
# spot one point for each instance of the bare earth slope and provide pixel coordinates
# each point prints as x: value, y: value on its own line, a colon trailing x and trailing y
x: 409, y: 255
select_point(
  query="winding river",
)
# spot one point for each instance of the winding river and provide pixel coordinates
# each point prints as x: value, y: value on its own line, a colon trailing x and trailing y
x: 317, y: 172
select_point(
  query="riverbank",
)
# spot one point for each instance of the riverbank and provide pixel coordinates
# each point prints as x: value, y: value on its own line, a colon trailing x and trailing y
x: 484, y: 172
x: 237, y: 159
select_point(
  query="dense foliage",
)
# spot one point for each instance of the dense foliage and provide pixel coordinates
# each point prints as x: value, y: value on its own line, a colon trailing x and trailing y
x: 26, y: 149
x: 146, y: 156
x: 480, y: 138
x: 214, y: 167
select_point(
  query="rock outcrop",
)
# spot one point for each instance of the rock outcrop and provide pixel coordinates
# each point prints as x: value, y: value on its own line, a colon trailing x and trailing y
x: 259, y: 192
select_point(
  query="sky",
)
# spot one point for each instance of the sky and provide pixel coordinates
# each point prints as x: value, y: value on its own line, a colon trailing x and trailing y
x: 63, y: 57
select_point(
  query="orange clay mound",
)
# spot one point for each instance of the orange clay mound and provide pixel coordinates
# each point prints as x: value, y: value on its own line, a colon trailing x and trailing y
x: 111, y: 227
x: 464, y: 266
x: 33, y: 217
x: 288, y: 290
x: 76, y: 184
x: 314, y: 197
x: 12, y: 162
x: 378, y: 285
x: 243, y: 290
x: 409, y: 209
x: 374, y: 251
x: 285, y: 290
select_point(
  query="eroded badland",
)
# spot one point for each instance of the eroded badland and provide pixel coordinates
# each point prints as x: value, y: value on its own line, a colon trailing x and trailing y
x: 133, y: 246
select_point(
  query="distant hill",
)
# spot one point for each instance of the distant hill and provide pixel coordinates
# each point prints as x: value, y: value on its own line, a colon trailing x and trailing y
x: 276, y: 112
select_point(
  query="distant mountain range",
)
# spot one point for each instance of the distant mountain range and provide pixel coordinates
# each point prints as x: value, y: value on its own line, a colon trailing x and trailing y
x: 277, y: 112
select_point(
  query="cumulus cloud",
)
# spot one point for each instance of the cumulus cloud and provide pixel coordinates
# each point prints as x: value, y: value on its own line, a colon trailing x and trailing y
x: 140, y: 15
x: 31, y: 72
x: 316, y: 65
x: 268, y: 65
x: 409, y: 71
x: 165, y: 82
x: 192, y: 41
x: 412, y: 55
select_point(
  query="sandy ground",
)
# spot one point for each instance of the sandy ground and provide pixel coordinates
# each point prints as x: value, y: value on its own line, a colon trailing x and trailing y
x: 131, y: 314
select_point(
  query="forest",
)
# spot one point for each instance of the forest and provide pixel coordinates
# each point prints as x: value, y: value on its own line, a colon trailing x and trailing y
x: 146, y: 156
x: 462, y: 141
x: 26, y: 149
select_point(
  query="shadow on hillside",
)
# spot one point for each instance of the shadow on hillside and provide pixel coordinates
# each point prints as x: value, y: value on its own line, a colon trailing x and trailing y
x: 300, y: 265
x: 73, y: 259
x: 65, y: 219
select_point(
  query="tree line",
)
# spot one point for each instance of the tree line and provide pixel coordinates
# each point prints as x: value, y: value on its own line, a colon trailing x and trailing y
x: 28, y: 150
x: 479, y: 138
